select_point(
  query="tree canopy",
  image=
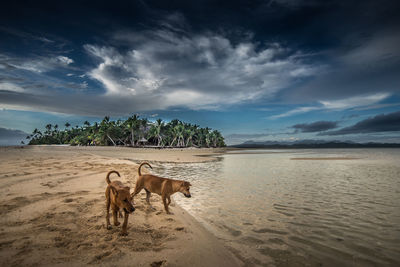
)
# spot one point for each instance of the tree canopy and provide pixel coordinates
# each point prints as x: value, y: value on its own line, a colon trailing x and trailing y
x: 133, y: 131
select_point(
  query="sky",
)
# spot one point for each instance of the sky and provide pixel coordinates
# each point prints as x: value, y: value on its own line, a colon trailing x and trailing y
x: 278, y: 70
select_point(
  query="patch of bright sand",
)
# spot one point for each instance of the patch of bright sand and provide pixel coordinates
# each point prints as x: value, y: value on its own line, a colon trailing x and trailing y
x: 53, y: 212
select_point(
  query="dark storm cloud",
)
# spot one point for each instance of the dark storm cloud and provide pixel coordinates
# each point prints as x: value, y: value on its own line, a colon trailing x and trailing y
x: 199, y: 55
x: 369, y: 68
x: 317, y: 126
x: 350, y: 116
x: 380, y: 123
x: 25, y: 35
x: 78, y: 104
x: 364, y: 59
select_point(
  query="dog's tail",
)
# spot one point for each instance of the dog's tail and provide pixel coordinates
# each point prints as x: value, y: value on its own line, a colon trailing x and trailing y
x: 108, y: 176
x: 140, y: 166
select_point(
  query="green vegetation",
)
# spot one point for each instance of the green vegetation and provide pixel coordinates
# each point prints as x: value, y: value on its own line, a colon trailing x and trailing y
x: 134, y: 131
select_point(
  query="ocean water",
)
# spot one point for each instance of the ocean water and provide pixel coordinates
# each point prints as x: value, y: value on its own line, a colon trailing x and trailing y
x: 273, y: 210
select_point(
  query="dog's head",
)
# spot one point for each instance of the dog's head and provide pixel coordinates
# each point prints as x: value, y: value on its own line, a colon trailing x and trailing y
x: 185, y: 188
x: 123, y: 198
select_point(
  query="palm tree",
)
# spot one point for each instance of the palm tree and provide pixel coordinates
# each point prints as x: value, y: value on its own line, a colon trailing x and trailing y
x: 214, y: 137
x: 143, y: 129
x: 155, y: 131
x: 48, y: 128
x: 207, y: 136
x: 107, y: 132
x: 190, y: 132
x: 181, y: 132
x: 132, y: 125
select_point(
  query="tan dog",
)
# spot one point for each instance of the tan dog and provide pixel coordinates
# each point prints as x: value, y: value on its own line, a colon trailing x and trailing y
x: 118, y: 197
x: 162, y: 186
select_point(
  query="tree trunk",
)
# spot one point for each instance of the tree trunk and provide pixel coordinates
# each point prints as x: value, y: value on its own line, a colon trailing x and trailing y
x: 132, y: 138
x: 111, y: 140
x: 172, y: 143
x: 189, y: 139
x: 119, y: 139
x: 159, y: 140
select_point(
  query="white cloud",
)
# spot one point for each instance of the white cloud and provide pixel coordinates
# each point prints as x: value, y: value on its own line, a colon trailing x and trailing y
x: 11, y: 87
x: 64, y: 60
x: 359, y: 102
x: 37, y: 64
x: 201, y: 71
x: 84, y: 85
x: 295, y: 112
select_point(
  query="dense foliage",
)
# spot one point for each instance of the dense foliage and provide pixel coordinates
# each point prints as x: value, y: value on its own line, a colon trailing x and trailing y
x: 134, y: 131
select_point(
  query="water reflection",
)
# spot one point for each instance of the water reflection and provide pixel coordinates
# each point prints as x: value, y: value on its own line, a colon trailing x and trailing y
x: 274, y: 210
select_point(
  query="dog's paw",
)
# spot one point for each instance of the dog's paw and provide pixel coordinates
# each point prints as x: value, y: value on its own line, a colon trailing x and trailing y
x: 117, y: 223
x: 123, y: 233
x: 108, y: 227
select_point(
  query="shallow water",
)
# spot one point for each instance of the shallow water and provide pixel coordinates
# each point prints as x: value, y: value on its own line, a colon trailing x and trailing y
x: 272, y: 210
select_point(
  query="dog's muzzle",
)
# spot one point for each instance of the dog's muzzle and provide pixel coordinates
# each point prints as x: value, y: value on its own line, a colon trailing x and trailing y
x: 130, y: 210
x: 187, y: 195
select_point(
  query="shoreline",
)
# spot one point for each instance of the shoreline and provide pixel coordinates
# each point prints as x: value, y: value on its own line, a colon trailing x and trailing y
x: 166, y: 155
x: 53, y: 212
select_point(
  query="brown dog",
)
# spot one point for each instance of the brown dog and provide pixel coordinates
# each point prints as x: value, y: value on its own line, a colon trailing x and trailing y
x: 118, y: 197
x: 162, y: 186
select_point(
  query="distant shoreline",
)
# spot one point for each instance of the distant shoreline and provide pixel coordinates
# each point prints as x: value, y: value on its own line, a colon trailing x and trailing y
x: 315, y: 146
x: 221, y: 150
x: 135, y: 154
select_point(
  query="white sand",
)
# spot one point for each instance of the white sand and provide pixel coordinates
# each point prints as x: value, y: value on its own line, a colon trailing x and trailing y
x: 53, y: 212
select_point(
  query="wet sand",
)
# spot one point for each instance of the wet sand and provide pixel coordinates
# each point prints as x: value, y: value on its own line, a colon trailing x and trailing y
x: 274, y: 211
x: 331, y: 158
x: 53, y: 212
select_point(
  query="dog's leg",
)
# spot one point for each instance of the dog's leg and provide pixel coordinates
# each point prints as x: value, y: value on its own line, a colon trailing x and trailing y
x: 115, y: 217
x: 148, y: 194
x: 138, y: 187
x: 120, y: 214
x: 125, y: 224
x: 169, y: 202
x: 165, y: 195
x: 164, y: 199
x: 108, y: 208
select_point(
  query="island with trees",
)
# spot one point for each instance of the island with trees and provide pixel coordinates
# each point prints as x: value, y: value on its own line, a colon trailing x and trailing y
x: 133, y: 131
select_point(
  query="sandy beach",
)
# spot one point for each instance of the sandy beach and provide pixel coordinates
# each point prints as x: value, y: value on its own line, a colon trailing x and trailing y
x: 53, y: 211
